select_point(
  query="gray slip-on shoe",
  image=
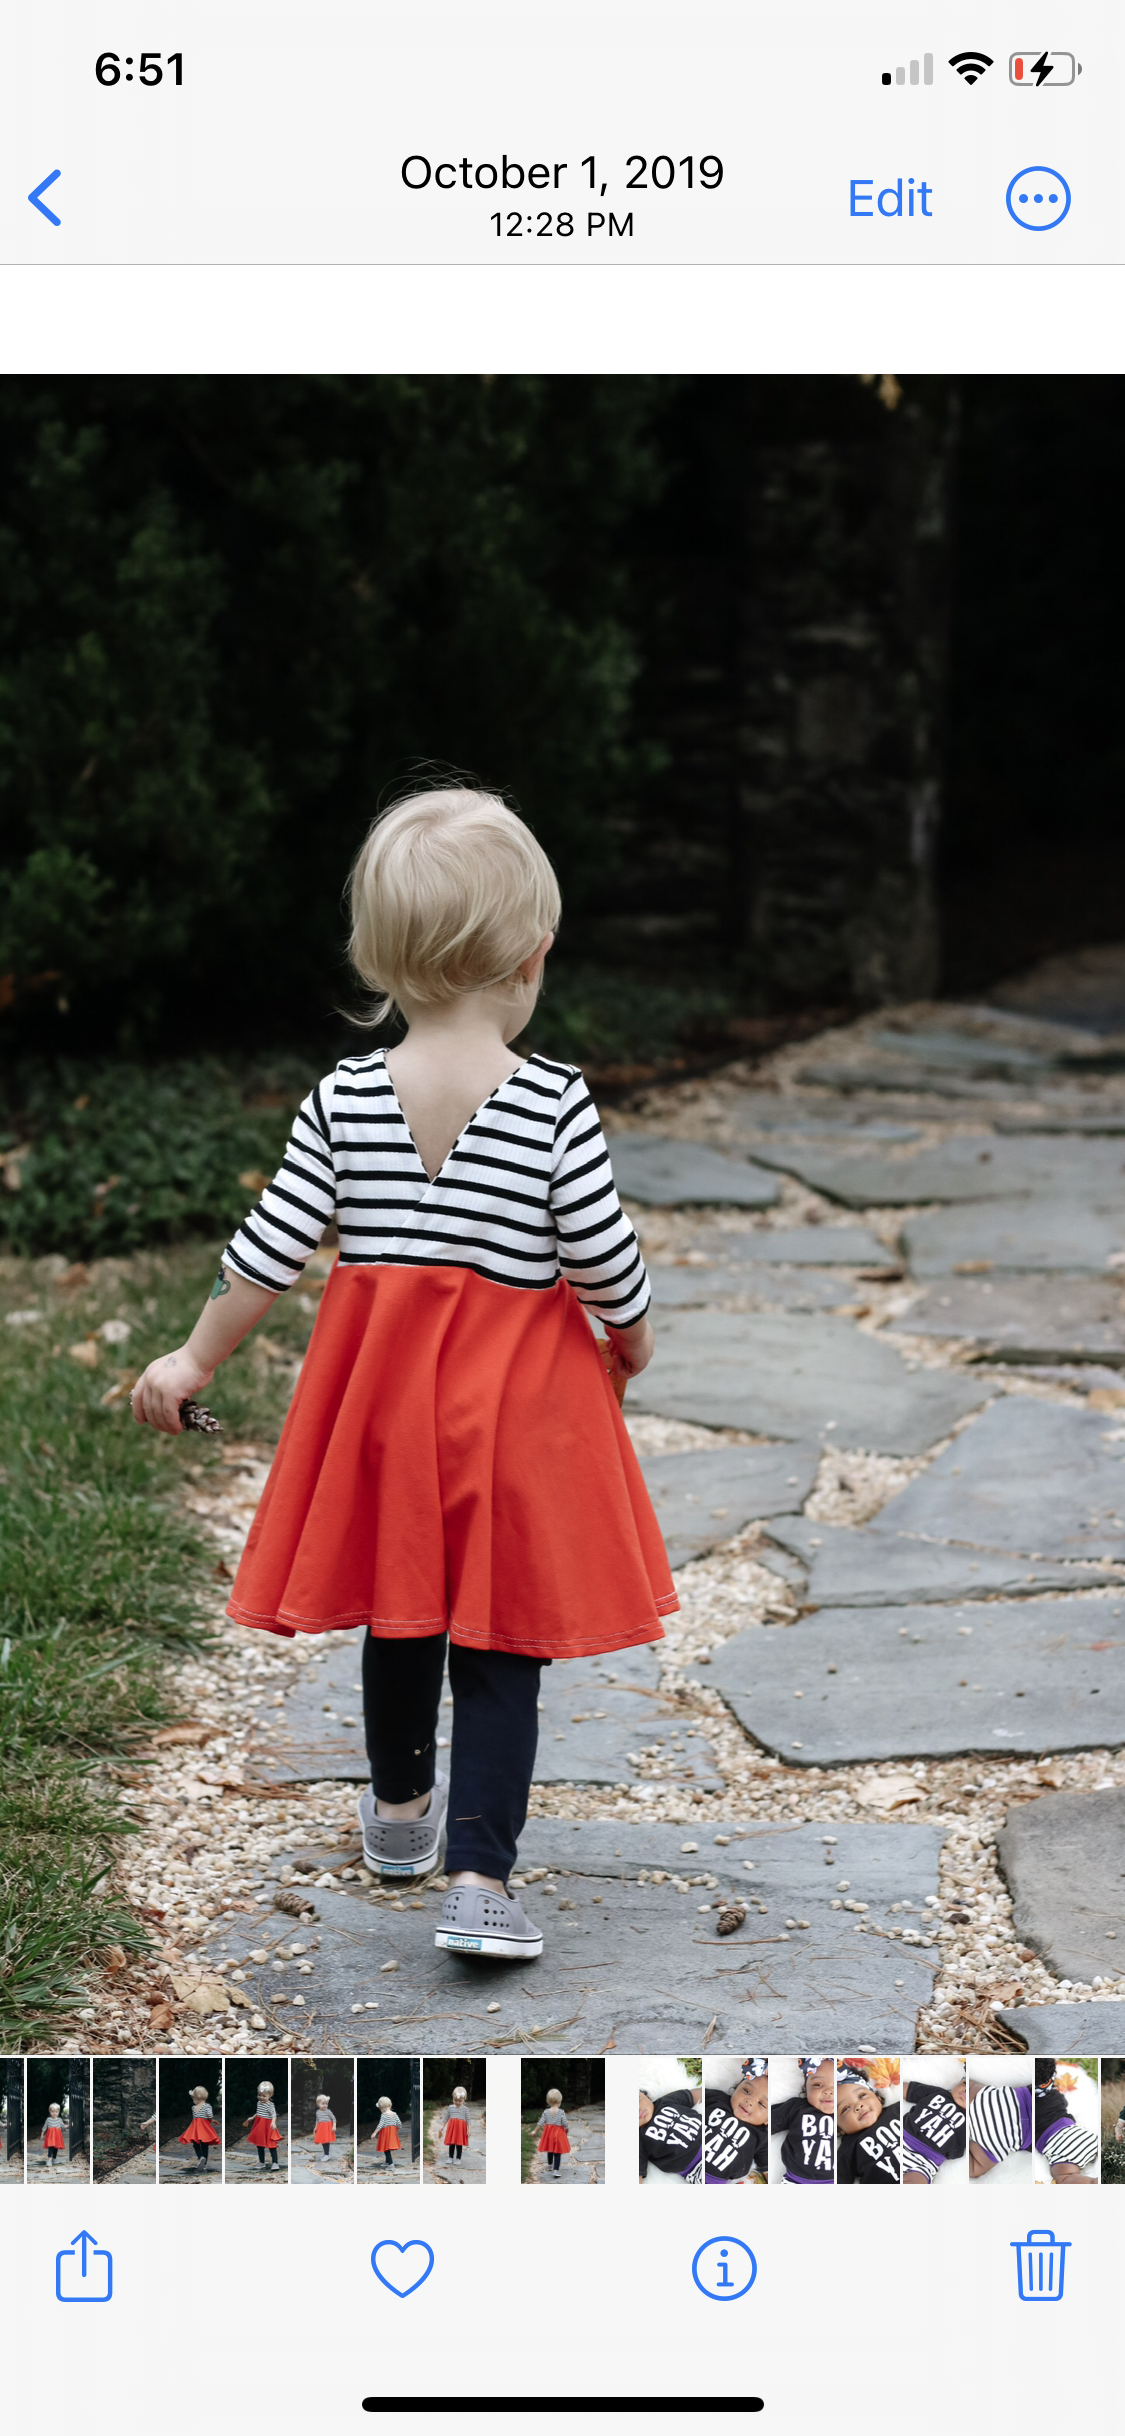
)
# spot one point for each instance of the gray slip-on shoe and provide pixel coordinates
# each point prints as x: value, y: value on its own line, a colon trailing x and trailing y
x: 404, y: 1848
x: 475, y: 1921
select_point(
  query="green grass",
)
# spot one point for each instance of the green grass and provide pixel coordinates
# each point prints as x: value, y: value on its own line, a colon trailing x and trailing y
x: 529, y: 2142
x: 103, y: 1581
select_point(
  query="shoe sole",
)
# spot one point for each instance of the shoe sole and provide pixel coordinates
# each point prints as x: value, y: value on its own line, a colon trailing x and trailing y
x: 506, y: 1949
x: 422, y: 1867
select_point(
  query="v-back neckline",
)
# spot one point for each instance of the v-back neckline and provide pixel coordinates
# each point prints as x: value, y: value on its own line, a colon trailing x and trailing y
x: 469, y: 1121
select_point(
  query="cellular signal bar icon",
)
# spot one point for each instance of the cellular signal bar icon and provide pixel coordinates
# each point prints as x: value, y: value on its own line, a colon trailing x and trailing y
x: 900, y: 76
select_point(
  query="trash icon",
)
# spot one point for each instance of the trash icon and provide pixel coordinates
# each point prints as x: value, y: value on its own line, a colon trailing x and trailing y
x: 1040, y: 2266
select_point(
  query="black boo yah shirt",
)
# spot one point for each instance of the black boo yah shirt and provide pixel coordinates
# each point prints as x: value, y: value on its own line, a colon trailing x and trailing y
x: 874, y: 2155
x: 731, y: 2149
x: 673, y: 2138
x: 807, y: 2150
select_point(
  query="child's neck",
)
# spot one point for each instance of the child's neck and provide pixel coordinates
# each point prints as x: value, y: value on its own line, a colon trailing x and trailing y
x: 452, y: 1059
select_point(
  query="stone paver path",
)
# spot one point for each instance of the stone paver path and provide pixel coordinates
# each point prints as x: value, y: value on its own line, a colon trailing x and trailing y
x: 437, y: 2164
x: 242, y: 2163
x: 68, y: 2169
x: 177, y: 2164
x: 369, y: 2159
x: 796, y: 1375
x: 329, y: 2164
x: 585, y: 2162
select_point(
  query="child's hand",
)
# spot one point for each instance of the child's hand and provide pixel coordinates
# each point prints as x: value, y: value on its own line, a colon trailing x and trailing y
x: 161, y: 1389
x: 633, y: 1347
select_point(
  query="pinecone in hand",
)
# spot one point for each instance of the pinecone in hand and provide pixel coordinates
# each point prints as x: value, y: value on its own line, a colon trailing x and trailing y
x: 196, y: 1416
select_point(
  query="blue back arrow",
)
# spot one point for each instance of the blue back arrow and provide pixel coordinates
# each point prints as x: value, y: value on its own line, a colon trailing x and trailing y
x: 39, y: 191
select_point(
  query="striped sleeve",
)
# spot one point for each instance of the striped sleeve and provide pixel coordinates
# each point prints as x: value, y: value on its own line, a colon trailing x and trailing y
x: 598, y: 1251
x: 271, y: 1246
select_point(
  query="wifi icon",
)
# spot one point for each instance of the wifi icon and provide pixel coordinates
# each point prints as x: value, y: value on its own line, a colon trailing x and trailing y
x: 971, y: 65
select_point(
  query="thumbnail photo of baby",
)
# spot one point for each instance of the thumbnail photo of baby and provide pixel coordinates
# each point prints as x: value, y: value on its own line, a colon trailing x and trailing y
x: 123, y: 2119
x: 454, y: 2090
x: 58, y: 2116
x: 803, y: 2121
x: 321, y: 2147
x: 190, y: 2119
x: 935, y: 2143
x: 388, y: 2119
x: 11, y: 2119
x: 1113, y: 2118
x: 869, y: 2120
x: 257, y: 2120
x: 736, y: 2138
x: 999, y: 2119
x: 1067, y: 2144
x: 562, y: 2127
x: 671, y: 2120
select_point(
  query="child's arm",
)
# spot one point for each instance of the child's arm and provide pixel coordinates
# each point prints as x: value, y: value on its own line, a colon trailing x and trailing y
x: 233, y: 1308
x: 598, y: 1250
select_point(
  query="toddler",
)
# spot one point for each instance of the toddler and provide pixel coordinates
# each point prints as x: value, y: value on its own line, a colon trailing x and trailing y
x: 808, y: 2149
x: 736, y: 2135
x: 999, y: 2123
x: 456, y: 2123
x: 554, y: 2127
x: 54, y: 2137
x: 868, y: 2131
x: 201, y: 2134
x: 935, y: 2128
x: 386, y: 2139
x: 262, y: 2129
x: 324, y: 2132
x: 671, y: 2133
x: 1070, y: 2148
x: 454, y: 1467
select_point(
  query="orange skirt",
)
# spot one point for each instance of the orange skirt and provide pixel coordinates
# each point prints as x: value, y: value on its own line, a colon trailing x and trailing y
x: 54, y: 2136
x: 555, y: 2140
x: 457, y: 2132
x: 263, y: 2133
x: 388, y: 2138
x: 324, y: 2133
x: 200, y: 2129
x: 454, y: 1457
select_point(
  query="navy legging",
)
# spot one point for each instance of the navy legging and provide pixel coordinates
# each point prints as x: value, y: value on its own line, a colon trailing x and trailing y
x: 495, y: 1730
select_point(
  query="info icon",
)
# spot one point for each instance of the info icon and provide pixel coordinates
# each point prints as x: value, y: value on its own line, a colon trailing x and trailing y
x: 724, y: 2268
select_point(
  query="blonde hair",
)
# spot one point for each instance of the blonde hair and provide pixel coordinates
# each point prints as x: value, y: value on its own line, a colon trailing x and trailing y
x: 267, y: 2086
x: 462, y: 2094
x: 449, y: 893
x: 384, y: 2102
x: 322, y: 2098
x: 554, y: 2097
x: 54, y: 2108
x: 197, y: 2093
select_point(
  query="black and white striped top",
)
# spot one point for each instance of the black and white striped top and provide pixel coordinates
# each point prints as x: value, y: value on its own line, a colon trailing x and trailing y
x: 526, y: 1194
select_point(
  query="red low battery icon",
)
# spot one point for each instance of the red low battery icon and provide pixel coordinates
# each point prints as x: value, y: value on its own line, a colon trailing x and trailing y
x: 1036, y: 68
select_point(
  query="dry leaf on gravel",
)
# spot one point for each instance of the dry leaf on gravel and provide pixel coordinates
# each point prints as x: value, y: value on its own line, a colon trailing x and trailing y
x: 890, y: 1792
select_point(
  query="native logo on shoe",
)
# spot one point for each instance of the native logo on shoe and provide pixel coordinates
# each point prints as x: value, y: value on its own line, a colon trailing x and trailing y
x: 397, y: 1869
x: 463, y: 1945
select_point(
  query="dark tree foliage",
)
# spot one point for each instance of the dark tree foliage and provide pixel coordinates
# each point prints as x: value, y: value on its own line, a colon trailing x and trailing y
x: 124, y: 2098
x: 243, y: 2073
x: 307, y: 2079
x: 378, y: 2077
x: 231, y: 610
x: 581, y: 2079
x: 445, y: 2073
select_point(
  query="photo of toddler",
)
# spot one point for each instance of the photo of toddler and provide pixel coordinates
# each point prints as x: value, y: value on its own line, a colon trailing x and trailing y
x: 454, y: 2149
x: 869, y: 2120
x: 803, y: 2121
x: 388, y: 2120
x: 999, y: 2119
x: 736, y: 2120
x: 671, y: 2120
x: 935, y: 2097
x: 1066, y: 2120
x: 562, y: 2120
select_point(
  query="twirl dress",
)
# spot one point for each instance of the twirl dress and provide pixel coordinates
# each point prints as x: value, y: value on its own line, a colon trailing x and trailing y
x: 325, y: 2131
x: 388, y: 2133
x: 454, y: 1456
x: 53, y: 2133
x: 202, y: 2125
x: 553, y: 2125
x: 456, y: 2134
x: 263, y: 2132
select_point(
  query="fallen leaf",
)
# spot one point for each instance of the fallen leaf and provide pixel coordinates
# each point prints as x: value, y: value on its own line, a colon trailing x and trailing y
x: 85, y: 1353
x: 1050, y: 1776
x: 252, y: 1180
x: 889, y: 1792
x: 971, y: 1268
x: 1106, y: 1399
x: 165, y: 1735
x: 161, y: 2018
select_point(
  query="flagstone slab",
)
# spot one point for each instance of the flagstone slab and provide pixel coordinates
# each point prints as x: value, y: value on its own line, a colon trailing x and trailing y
x: 1046, y: 1479
x: 966, y: 1167
x: 795, y: 1376
x: 704, y: 1496
x: 863, y: 1567
x: 633, y: 1963
x: 659, y: 1169
x: 1051, y: 1232
x: 697, y: 1287
x: 1028, y: 1319
x: 929, y: 1682
x: 1095, y: 2028
x: 1064, y: 1860
x: 815, y: 1247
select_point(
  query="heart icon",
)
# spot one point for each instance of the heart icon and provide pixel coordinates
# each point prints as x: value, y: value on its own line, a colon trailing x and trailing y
x: 396, y: 2270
